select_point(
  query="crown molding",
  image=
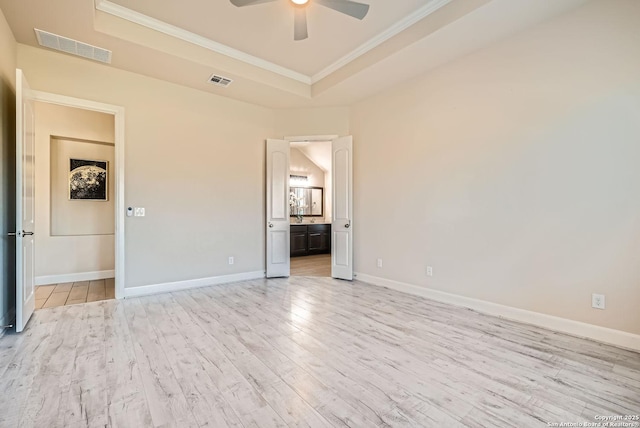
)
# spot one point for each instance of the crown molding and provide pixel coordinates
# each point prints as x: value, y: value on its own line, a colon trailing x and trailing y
x: 146, y: 21
x: 376, y: 41
x: 122, y: 12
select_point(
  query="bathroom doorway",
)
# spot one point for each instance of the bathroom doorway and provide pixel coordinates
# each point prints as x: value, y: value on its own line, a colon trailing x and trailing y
x: 295, y: 211
x: 310, y: 197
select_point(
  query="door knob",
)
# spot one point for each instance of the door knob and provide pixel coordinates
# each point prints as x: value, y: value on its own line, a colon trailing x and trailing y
x: 270, y: 224
x: 26, y: 233
x: 11, y: 234
x: 348, y: 225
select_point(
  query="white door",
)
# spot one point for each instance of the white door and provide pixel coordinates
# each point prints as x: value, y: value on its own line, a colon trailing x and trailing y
x: 277, y: 208
x: 341, y: 227
x: 25, y: 210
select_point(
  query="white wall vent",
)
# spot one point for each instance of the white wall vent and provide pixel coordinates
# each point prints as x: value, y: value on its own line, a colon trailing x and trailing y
x: 73, y: 47
x: 219, y: 80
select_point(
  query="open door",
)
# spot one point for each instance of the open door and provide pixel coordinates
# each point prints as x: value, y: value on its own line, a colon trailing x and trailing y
x: 25, y: 199
x: 341, y: 227
x: 278, y: 263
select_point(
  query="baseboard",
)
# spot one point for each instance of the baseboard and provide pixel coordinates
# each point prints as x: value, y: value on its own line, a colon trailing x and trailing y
x: 610, y: 336
x: 75, y: 277
x: 168, y: 287
x: 6, y: 320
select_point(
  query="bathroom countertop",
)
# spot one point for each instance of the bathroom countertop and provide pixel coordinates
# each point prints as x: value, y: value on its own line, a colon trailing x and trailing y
x: 304, y: 223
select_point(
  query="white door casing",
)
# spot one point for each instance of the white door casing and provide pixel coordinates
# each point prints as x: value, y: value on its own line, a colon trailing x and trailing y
x: 118, y: 113
x: 277, y: 216
x: 25, y: 202
x: 342, y: 208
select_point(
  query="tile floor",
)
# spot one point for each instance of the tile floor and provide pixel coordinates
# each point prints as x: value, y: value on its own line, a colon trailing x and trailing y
x: 50, y: 296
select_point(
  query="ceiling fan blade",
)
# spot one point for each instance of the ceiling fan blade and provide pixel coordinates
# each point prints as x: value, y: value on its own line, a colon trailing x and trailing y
x: 240, y: 3
x: 348, y: 7
x: 300, y: 23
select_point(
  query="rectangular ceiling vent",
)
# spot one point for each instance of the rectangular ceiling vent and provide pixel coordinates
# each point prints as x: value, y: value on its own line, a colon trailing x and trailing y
x: 220, y: 81
x: 73, y: 47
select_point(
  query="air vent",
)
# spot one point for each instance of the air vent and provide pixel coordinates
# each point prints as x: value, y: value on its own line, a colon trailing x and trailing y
x: 220, y: 81
x: 73, y: 47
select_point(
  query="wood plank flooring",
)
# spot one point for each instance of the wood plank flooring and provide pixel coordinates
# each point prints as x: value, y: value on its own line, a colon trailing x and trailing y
x: 317, y: 265
x: 72, y: 293
x: 304, y: 352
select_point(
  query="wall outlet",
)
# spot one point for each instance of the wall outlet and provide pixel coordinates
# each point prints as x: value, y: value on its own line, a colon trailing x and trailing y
x: 597, y: 301
x: 138, y: 212
x: 379, y: 263
x: 429, y: 271
x: 231, y: 260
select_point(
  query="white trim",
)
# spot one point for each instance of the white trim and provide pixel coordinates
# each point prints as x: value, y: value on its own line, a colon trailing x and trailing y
x: 122, y: 12
x: 376, y: 41
x: 576, y: 328
x: 119, y: 114
x: 310, y: 138
x: 168, y: 287
x: 74, y: 277
x: 182, y: 34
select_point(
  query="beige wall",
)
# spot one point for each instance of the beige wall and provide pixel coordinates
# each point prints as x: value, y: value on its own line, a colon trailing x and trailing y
x: 513, y: 172
x: 194, y: 160
x: 81, y: 217
x: 311, y: 121
x: 55, y: 214
x: 299, y: 164
x: 7, y: 169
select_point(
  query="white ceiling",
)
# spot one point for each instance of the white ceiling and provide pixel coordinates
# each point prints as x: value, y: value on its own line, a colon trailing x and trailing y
x: 266, y: 30
x: 342, y: 61
x: 319, y: 152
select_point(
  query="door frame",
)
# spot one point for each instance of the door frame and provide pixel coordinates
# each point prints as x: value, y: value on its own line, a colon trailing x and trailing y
x: 311, y: 139
x: 119, y: 142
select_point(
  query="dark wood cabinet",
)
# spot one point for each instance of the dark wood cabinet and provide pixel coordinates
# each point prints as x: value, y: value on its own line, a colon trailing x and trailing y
x: 310, y: 239
x: 319, y: 238
x: 298, y: 241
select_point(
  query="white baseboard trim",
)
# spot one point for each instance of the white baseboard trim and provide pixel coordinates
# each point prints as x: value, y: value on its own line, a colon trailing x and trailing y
x: 75, y: 277
x: 610, y: 336
x: 168, y: 287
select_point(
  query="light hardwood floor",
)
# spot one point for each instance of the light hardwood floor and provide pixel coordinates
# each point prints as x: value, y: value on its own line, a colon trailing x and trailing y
x: 318, y: 265
x: 71, y: 293
x: 302, y: 352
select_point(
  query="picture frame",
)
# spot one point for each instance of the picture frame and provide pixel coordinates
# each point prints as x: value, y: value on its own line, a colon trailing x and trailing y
x: 88, y: 180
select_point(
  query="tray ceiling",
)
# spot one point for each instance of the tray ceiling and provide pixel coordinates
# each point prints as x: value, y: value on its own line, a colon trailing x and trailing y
x: 342, y: 61
x: 266, y: 30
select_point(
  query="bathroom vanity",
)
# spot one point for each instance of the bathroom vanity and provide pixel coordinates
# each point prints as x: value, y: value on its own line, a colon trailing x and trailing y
x: 311, y: 238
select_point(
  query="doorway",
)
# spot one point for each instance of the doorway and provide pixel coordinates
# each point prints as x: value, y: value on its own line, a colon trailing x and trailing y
x: 310, y: 208
x: 26, y: 292
x: 291, y: 225
x: 75, y: 208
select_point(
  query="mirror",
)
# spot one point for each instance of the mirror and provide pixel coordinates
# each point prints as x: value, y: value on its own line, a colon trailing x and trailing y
x: 306, y: 201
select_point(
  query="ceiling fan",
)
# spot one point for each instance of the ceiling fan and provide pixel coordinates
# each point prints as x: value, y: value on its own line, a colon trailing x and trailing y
x: 348, y: 7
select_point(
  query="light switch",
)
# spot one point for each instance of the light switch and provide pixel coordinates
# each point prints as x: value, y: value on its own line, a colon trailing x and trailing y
x: 139, y: 212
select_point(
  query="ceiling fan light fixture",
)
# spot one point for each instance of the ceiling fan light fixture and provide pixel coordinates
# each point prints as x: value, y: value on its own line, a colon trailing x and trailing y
x: 347, y: 7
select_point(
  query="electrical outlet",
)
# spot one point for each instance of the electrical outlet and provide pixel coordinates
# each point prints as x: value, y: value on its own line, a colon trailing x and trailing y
x: 138, y: 212
x: 429, y: 271
x: 597, y: 301
x: 379, y: 263
x: 231, y: 260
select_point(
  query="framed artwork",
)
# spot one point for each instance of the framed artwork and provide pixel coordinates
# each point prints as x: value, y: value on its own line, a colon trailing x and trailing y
x: 88, y: 180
